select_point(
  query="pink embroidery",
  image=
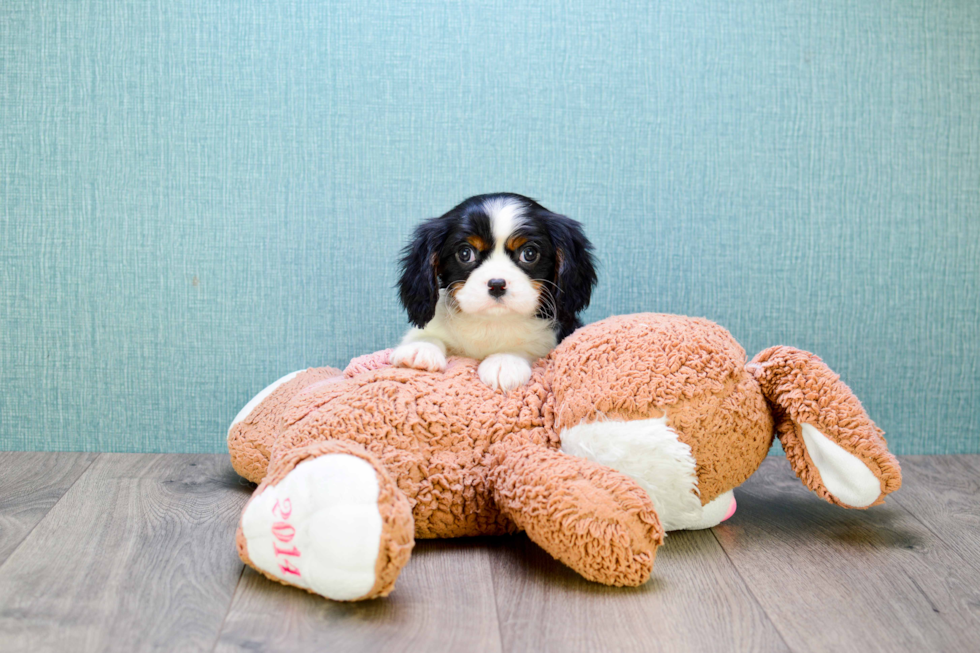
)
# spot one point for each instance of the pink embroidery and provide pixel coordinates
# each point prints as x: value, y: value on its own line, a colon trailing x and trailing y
x: 284, y: 532
x: 287, y: 568
x: 285, y: 511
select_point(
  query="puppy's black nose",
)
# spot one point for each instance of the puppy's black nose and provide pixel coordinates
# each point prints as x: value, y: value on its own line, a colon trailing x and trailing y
x: 497, y: 287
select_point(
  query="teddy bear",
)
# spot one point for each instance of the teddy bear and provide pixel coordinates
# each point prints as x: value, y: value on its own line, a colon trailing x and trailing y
x: 632, y: 426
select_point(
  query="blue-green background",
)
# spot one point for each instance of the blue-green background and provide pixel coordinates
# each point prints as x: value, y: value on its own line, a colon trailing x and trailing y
x: 198, y: 197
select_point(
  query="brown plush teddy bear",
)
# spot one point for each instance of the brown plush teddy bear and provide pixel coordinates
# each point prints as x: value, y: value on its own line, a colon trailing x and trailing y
x: 632, y: 426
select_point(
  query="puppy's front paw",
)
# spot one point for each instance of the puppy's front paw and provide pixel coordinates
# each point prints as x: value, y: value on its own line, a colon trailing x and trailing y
x: 505, y: 371
x: 420, y: 356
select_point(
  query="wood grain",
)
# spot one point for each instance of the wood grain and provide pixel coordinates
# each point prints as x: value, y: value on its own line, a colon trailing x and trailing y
x: 695, y: 601
x: 944, y: 494
x: 30, y: 484
x: 443, y: 601
x: 833, y: 579
x: 138, y: 555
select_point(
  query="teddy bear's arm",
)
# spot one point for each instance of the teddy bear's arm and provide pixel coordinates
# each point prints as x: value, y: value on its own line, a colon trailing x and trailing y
x: 590, y: 517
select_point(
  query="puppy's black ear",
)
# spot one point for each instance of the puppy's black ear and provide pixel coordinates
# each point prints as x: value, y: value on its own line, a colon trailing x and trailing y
x: 575, y: 274
x: 419, y: 284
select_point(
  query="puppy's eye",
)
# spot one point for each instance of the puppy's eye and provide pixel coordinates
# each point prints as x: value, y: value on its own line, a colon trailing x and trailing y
x: 529, y: 255
x: 465, y: 254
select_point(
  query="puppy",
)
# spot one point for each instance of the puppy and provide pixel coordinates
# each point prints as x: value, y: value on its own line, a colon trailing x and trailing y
x: 499, y: 278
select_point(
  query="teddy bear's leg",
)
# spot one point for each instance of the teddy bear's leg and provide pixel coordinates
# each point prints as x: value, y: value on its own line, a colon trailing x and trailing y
x: 329, y: 519
x: 830, y: 441
x: 590, y: 517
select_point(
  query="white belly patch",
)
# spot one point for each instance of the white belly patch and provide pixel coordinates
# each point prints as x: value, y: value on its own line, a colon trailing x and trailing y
x: 648, y: 451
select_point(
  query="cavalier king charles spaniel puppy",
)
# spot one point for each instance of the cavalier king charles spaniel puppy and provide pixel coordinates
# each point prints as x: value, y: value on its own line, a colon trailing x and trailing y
x: 498, y: 278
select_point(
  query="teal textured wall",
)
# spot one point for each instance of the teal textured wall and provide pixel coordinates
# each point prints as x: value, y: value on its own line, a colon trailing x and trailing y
x: 198, y: 197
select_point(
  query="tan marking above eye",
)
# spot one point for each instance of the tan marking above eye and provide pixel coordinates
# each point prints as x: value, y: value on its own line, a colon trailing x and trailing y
x: 477, y: 242
x: 514, y: 242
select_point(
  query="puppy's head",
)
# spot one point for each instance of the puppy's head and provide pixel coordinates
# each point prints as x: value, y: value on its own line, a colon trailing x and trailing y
x: 495, y: 255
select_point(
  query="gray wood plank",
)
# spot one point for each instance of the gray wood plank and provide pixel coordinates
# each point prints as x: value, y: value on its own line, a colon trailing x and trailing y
x: 443, y: 601
x: 695, y: 601
x: 839, y: 580
x: 138, y: 555
x: 943, y: 492
x: 30, y: 484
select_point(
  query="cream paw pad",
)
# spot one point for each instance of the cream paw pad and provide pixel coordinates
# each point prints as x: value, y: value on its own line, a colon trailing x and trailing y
x: 320, y: 527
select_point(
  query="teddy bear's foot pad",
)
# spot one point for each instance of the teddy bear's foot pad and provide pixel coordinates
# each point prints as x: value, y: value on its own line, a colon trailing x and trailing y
x: 319, y: 528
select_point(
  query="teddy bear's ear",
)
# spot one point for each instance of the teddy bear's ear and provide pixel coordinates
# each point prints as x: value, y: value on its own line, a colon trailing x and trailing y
x: 830, y: 441
x: 575, y: 274
x: 419, y: 283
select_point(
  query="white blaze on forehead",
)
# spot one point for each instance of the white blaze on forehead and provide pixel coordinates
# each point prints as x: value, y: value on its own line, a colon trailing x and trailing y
x: 506, y: 215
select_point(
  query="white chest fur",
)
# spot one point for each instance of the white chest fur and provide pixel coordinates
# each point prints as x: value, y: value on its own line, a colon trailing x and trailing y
x: 478, y: 336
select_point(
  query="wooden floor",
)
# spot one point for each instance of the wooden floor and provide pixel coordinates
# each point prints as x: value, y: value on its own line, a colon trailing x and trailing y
x: 132, y: 552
